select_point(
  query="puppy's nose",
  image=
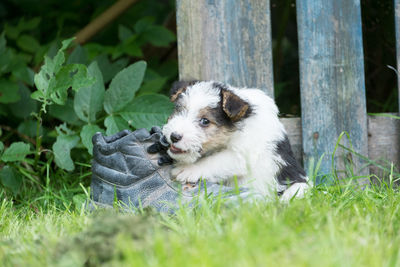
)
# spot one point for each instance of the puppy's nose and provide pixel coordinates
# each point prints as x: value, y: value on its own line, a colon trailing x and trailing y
x: 175, y: 137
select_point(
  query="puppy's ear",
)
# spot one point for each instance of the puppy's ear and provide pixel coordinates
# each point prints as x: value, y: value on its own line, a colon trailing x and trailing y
x: 178, y: 88
x: 234, y: 107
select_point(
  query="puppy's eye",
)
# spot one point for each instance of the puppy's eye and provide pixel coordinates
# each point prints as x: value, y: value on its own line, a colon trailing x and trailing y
x: 204, y: 122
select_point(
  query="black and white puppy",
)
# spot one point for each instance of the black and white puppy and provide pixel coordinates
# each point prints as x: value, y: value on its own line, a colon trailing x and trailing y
x: 218, y: 132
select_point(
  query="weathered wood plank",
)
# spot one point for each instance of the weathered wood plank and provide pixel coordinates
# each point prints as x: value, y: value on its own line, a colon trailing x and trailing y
x: 228, y: 41
x: 331, y: 77
x: 383, y: 141
x: 397, y: 21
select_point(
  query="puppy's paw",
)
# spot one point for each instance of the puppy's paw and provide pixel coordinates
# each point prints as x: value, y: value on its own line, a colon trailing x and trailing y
x: 186, y: 174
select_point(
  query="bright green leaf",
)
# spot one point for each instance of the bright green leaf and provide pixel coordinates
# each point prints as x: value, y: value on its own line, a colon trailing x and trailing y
x: 62, y: 151
x: 88, y: 101
x: 147, y: 110
x: 1, y: 147
x: 8, y: 92
x: 47, y: 81
x: 16, y: 152
x: 74, y: 76
x: 123, y: 87
x: 10, y: 179
x: 115, y: 124
x: 86, y: 136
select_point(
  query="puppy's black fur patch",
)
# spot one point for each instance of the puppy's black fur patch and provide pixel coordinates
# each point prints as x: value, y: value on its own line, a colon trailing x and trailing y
x: 234, y: 107
x: 292, y: 172
x: 178, y: 87
x: 220, y: 117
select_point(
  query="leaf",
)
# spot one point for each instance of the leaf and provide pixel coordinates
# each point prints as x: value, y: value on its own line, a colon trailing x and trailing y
x: 1, y: 147
x: 28, y: 43
x: 29, y: 24
x: 63, y: 129
x: 130, y: 46
x: 8, y: 92
x: 79, y: 201
x: 12, y: 32
x: 26, y: 105
x: 86, y: 136
x: 10, y: 179
x: 153, y: 86
x: 123, y: 87
x: 115, y: 124
x: 124, y: 32
x: 73, y: 75
x: 65, y: 112
x: 144, y: 23
x: 159, y: 36
x: 28, y: 128
x: 78, y: 56
x: 47, y: 81
x: 62, y: 151
x: 147, y: 111
x: 110, y: 69
x: 89, y: 100
x: 24, y: 74
x: 16, y: 152
x: 6, y: 55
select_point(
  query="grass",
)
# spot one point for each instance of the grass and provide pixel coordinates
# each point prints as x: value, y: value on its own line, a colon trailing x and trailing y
x: 333, y: 226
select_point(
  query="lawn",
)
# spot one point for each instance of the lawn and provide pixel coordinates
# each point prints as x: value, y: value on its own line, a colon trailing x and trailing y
x: 332, y: 226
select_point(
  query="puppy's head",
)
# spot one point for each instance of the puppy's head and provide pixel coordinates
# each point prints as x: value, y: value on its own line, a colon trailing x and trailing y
x: 205, y: 116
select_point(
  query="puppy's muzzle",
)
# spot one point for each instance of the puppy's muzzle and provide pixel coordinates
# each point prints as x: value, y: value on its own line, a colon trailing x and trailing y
x: 175, y: 137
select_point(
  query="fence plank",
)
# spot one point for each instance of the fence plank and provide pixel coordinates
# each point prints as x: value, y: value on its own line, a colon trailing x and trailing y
x: 383, y: 141
x: 331, y: 77
x: 397, y: 21
x: 228, y: 41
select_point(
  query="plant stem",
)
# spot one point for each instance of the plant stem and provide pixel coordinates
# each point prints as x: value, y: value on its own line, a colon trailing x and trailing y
x: 38, y: 138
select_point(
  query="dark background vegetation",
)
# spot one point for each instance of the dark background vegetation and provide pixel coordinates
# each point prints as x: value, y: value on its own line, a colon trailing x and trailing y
x: 62, y: 19
x: 44, y: 23
x: 379, y: 52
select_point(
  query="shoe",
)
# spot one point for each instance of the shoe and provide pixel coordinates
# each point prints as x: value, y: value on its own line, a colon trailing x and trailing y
x: 124, y: 172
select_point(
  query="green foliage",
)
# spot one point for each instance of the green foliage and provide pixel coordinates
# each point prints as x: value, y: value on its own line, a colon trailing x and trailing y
x: 123, y: 87
x: 16, y: 152
x: 55, y: 94
x: 89, y: 100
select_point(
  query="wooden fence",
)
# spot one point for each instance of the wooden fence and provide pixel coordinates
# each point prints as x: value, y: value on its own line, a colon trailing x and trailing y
x: 230, y: 41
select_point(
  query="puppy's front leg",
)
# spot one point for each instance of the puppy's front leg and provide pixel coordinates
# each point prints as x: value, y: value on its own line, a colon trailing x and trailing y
x: 214, y: 168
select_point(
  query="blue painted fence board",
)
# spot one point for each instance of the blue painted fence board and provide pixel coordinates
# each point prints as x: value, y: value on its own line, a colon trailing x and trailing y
x: 228, y: 41
x: 331, y: 78
x: 397, y: 21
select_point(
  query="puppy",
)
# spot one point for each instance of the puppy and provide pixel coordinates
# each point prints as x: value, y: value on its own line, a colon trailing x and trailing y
x: 218, y: 132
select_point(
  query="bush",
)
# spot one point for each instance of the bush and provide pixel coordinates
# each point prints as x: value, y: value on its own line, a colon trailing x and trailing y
x: 55, y: 96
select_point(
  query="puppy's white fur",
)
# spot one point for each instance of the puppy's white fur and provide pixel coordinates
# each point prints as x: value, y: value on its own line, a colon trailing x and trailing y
x: 248, y: 153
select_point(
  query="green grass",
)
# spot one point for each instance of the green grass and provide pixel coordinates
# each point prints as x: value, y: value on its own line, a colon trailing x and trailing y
x: 332, y: 226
